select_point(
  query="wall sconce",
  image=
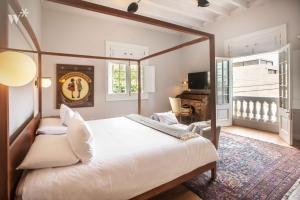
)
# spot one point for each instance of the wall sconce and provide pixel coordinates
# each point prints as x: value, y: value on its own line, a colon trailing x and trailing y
x: 16, y: 69
x: 185, y: 85
x: 46, y: 82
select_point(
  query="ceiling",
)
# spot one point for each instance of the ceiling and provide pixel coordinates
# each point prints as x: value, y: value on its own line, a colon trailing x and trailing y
x: 181, y: 12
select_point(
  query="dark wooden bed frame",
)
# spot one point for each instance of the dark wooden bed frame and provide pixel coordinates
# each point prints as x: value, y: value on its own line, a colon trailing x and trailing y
x: 13, y: 150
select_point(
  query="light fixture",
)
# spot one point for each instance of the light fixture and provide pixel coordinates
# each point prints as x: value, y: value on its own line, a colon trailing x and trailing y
x: 16, y: 69
x: 203, y: 3
x: 133, y: 7
x: 185, y: 85
x: 46, y: 82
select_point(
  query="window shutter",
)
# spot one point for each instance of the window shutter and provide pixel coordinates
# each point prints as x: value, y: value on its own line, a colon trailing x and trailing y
x: 149, y: 78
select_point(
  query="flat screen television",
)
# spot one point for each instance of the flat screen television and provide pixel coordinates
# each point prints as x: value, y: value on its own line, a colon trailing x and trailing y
x: 199, y: 81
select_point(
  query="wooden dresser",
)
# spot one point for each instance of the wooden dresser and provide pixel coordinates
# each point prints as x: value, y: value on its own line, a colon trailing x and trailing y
x: 199, y: 102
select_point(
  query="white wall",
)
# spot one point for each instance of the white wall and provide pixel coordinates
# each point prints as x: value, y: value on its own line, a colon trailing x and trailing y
x: 73, y: 33
x: 23, y: 101
x: 265, y: 15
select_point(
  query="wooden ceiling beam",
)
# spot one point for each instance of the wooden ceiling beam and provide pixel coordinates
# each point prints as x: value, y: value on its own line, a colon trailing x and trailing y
x: 238, y: 3
x: 177, y: 19
x: 151, y: 9
x: 213, y: 8
x: 218, y: 10
x: 122, y: 14
x: 185, y: 10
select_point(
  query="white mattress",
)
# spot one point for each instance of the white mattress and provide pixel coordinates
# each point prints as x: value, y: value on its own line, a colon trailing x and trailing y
x: 130, y: 160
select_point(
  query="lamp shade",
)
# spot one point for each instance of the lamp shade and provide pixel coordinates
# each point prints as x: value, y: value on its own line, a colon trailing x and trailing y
x: 16, y: 69
x: 46, y: 82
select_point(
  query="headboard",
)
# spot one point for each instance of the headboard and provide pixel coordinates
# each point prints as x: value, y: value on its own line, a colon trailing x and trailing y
x: 18, y: 150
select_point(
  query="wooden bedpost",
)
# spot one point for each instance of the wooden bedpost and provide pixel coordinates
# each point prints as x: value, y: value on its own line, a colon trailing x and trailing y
x: 214, y: 173
x: 139, y: 88
x: 213, y: 98
x: 213, y: 89
x: 4, y: 113
x: 39, y: 79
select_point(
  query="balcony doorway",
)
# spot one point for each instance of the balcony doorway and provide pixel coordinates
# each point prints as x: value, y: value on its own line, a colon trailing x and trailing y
x: 255, y: 92
x: 255, y: 95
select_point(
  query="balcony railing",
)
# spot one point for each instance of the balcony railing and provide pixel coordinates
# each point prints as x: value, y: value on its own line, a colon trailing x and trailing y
x: 256, y: 112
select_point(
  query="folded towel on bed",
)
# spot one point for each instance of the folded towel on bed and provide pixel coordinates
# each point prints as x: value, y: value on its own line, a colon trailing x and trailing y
x: 164, y: 128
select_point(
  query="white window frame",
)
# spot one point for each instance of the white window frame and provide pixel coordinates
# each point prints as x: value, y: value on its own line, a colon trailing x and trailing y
x: 128, y: 96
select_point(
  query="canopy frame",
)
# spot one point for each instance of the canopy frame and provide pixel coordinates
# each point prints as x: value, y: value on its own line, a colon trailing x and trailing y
x: 11, y: 150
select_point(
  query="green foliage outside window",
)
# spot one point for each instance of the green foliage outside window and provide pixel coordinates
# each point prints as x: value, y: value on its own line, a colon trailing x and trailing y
x: 119, y: 78
x: 134, y: 79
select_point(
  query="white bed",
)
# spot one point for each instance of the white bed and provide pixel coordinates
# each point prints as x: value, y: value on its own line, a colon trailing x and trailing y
x: 130, y: 160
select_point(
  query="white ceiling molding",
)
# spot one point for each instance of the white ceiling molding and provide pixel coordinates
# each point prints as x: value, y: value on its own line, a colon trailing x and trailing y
x: 215, y: 7
x: 184, y: 10
x: 262, y: 41
x: 238, y: 3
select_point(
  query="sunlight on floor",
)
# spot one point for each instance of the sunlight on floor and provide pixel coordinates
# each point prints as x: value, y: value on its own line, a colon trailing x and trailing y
x: 255, y: 134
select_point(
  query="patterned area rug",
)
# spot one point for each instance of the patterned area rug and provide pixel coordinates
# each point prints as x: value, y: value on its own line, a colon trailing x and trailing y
x: 249, y: 169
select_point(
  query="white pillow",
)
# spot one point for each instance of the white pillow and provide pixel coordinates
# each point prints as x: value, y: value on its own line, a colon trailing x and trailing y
x: 49, y: 151
x: 167, y: 118
x: 81, y: 139
x: 66, y: 114
x: 78, y: 116
x: 52, y: 126
x: 155, y: 117
x: 198, y: 126
x: 190, y: 128
x: 180, y: 126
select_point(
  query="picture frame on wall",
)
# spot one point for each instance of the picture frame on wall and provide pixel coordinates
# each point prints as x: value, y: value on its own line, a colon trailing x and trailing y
x: 75, y: 85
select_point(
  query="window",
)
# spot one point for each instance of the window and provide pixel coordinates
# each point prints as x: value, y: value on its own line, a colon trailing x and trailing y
x: 222, y: 80
x: 134, y: 79
x: 122, y: 76
x: 118, y: 78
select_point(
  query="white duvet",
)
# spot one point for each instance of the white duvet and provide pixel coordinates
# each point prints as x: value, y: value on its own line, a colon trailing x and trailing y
x: 130, y: 160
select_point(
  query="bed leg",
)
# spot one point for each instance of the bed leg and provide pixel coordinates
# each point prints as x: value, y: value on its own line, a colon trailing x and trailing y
x: 213, y: 173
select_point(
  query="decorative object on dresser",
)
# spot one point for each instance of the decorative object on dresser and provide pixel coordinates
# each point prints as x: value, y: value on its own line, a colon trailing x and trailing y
x: 198, y: 101
x: 75, y: 85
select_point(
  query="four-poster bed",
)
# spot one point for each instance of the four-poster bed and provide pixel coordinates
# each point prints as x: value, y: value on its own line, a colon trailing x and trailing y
x: 13, y: 152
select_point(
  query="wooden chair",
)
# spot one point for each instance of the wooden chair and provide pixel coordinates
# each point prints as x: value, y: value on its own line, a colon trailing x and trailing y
x: 180, y: 111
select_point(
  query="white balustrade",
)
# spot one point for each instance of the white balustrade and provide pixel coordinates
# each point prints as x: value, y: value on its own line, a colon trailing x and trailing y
x: 260, y: 109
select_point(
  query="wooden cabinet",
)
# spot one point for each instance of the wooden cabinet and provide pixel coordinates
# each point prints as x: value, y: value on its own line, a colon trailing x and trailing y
x: 199, y: 102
